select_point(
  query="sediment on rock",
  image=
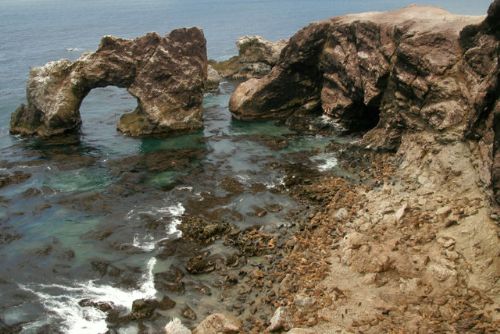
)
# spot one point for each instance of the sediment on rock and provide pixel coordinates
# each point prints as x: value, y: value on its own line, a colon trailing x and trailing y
x: 165, y: 74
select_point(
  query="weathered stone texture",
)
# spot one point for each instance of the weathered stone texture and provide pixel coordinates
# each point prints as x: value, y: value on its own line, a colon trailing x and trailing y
x: 165, y: 74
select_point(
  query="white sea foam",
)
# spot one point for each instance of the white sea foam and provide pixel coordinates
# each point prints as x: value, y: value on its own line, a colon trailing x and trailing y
x: 171, y: 210
x: 146, y: 243
x: 273, y: 184
x: 175, y: 211
x: 185, y: 188
x: 245, y: 179
x: 331, y: 121
x: 62, y: 301
x: 325, y: 161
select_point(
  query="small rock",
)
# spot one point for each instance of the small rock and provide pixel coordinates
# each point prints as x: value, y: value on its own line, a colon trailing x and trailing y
x: 441, y: 273
x: 452, y: 255
x: 341, y: 214
x: 446, y: 242
x: 450, y: 222
x: 354, y: 240
x: 303, y: 301
x: 257, y: 273
x: 102, y: 306
x: 260, y: 213
x: 400, y: 213
x: 175, y: 326
x: 370, y: 278
x: 143, y: 308
x: 279, y: 320
x: 188, y: 313
x: 200, y: 264
x: 443, y: 212
x: 218, y: 323
x: 166, y: 303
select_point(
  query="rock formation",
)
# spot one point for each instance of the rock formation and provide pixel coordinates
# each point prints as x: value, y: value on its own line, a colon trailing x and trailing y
x: 411, y: 70
x: 396, y: 70
x: 213, y: 80
x: 165, y: 74
x: 256, y: 57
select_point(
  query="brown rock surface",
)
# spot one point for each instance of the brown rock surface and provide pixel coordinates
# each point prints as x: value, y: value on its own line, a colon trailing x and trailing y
x: 256, y: 57
x: 165, y: 74
x: 218, y: 324
x: 414, y: 247
x: 418, y: 69
x: 397, y: 71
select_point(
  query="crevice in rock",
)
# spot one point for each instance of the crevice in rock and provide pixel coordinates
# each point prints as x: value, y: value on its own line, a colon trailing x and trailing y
x: 362, y: 118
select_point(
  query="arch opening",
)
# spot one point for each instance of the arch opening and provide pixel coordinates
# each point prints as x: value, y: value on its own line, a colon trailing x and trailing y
x: 101, y: 109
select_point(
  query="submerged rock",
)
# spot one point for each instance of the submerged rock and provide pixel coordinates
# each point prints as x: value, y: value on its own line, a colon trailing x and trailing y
x: 200, y: 264
x: 165, y: 74
x: 188, y: 313
x: 204, y: 231
x: 102, y: 306
x: 14, y: 178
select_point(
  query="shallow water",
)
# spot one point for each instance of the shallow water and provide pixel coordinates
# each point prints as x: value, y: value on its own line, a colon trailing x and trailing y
x: 90, y: 206
x: 99, y: 214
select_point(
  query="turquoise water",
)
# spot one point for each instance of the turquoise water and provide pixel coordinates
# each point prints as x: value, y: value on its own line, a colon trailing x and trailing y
x: 97, y: 210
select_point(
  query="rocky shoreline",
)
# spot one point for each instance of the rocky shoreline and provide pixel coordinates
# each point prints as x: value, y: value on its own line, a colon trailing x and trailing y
x: 414, y: 248
x: 405, y: 238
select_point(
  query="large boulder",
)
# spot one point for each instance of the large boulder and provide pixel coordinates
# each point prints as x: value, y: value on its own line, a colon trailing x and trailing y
x: 391, y: 72
x: 165, y: 74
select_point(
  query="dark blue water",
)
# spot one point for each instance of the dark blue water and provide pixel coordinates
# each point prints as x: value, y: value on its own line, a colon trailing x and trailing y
x: 100, y: 197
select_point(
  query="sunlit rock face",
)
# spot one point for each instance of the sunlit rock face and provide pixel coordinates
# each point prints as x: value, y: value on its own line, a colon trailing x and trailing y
x: 391, y: 72
x: 165, y: 74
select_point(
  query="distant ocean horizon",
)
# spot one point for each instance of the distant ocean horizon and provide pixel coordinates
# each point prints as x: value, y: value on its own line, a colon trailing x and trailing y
x: 33, y: 32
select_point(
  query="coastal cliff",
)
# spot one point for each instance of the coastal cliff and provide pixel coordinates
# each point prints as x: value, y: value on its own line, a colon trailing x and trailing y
x: 419, y: 69
x: 165, y: 74
x: 405, y: 70
x: 414, y: 247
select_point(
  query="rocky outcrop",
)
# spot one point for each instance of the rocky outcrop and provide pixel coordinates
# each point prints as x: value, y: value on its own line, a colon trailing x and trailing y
x: 165, y: 74
x: 397, y: 71
x: 256, y: 57
x: 213, y: 80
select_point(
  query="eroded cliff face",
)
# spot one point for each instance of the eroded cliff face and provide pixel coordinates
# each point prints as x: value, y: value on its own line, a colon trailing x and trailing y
x: 165, y: 74
x: 418, y: 69
x: 397, y: 71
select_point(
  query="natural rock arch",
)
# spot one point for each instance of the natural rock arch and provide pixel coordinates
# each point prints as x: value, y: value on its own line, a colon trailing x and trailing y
x: 165, y: 74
